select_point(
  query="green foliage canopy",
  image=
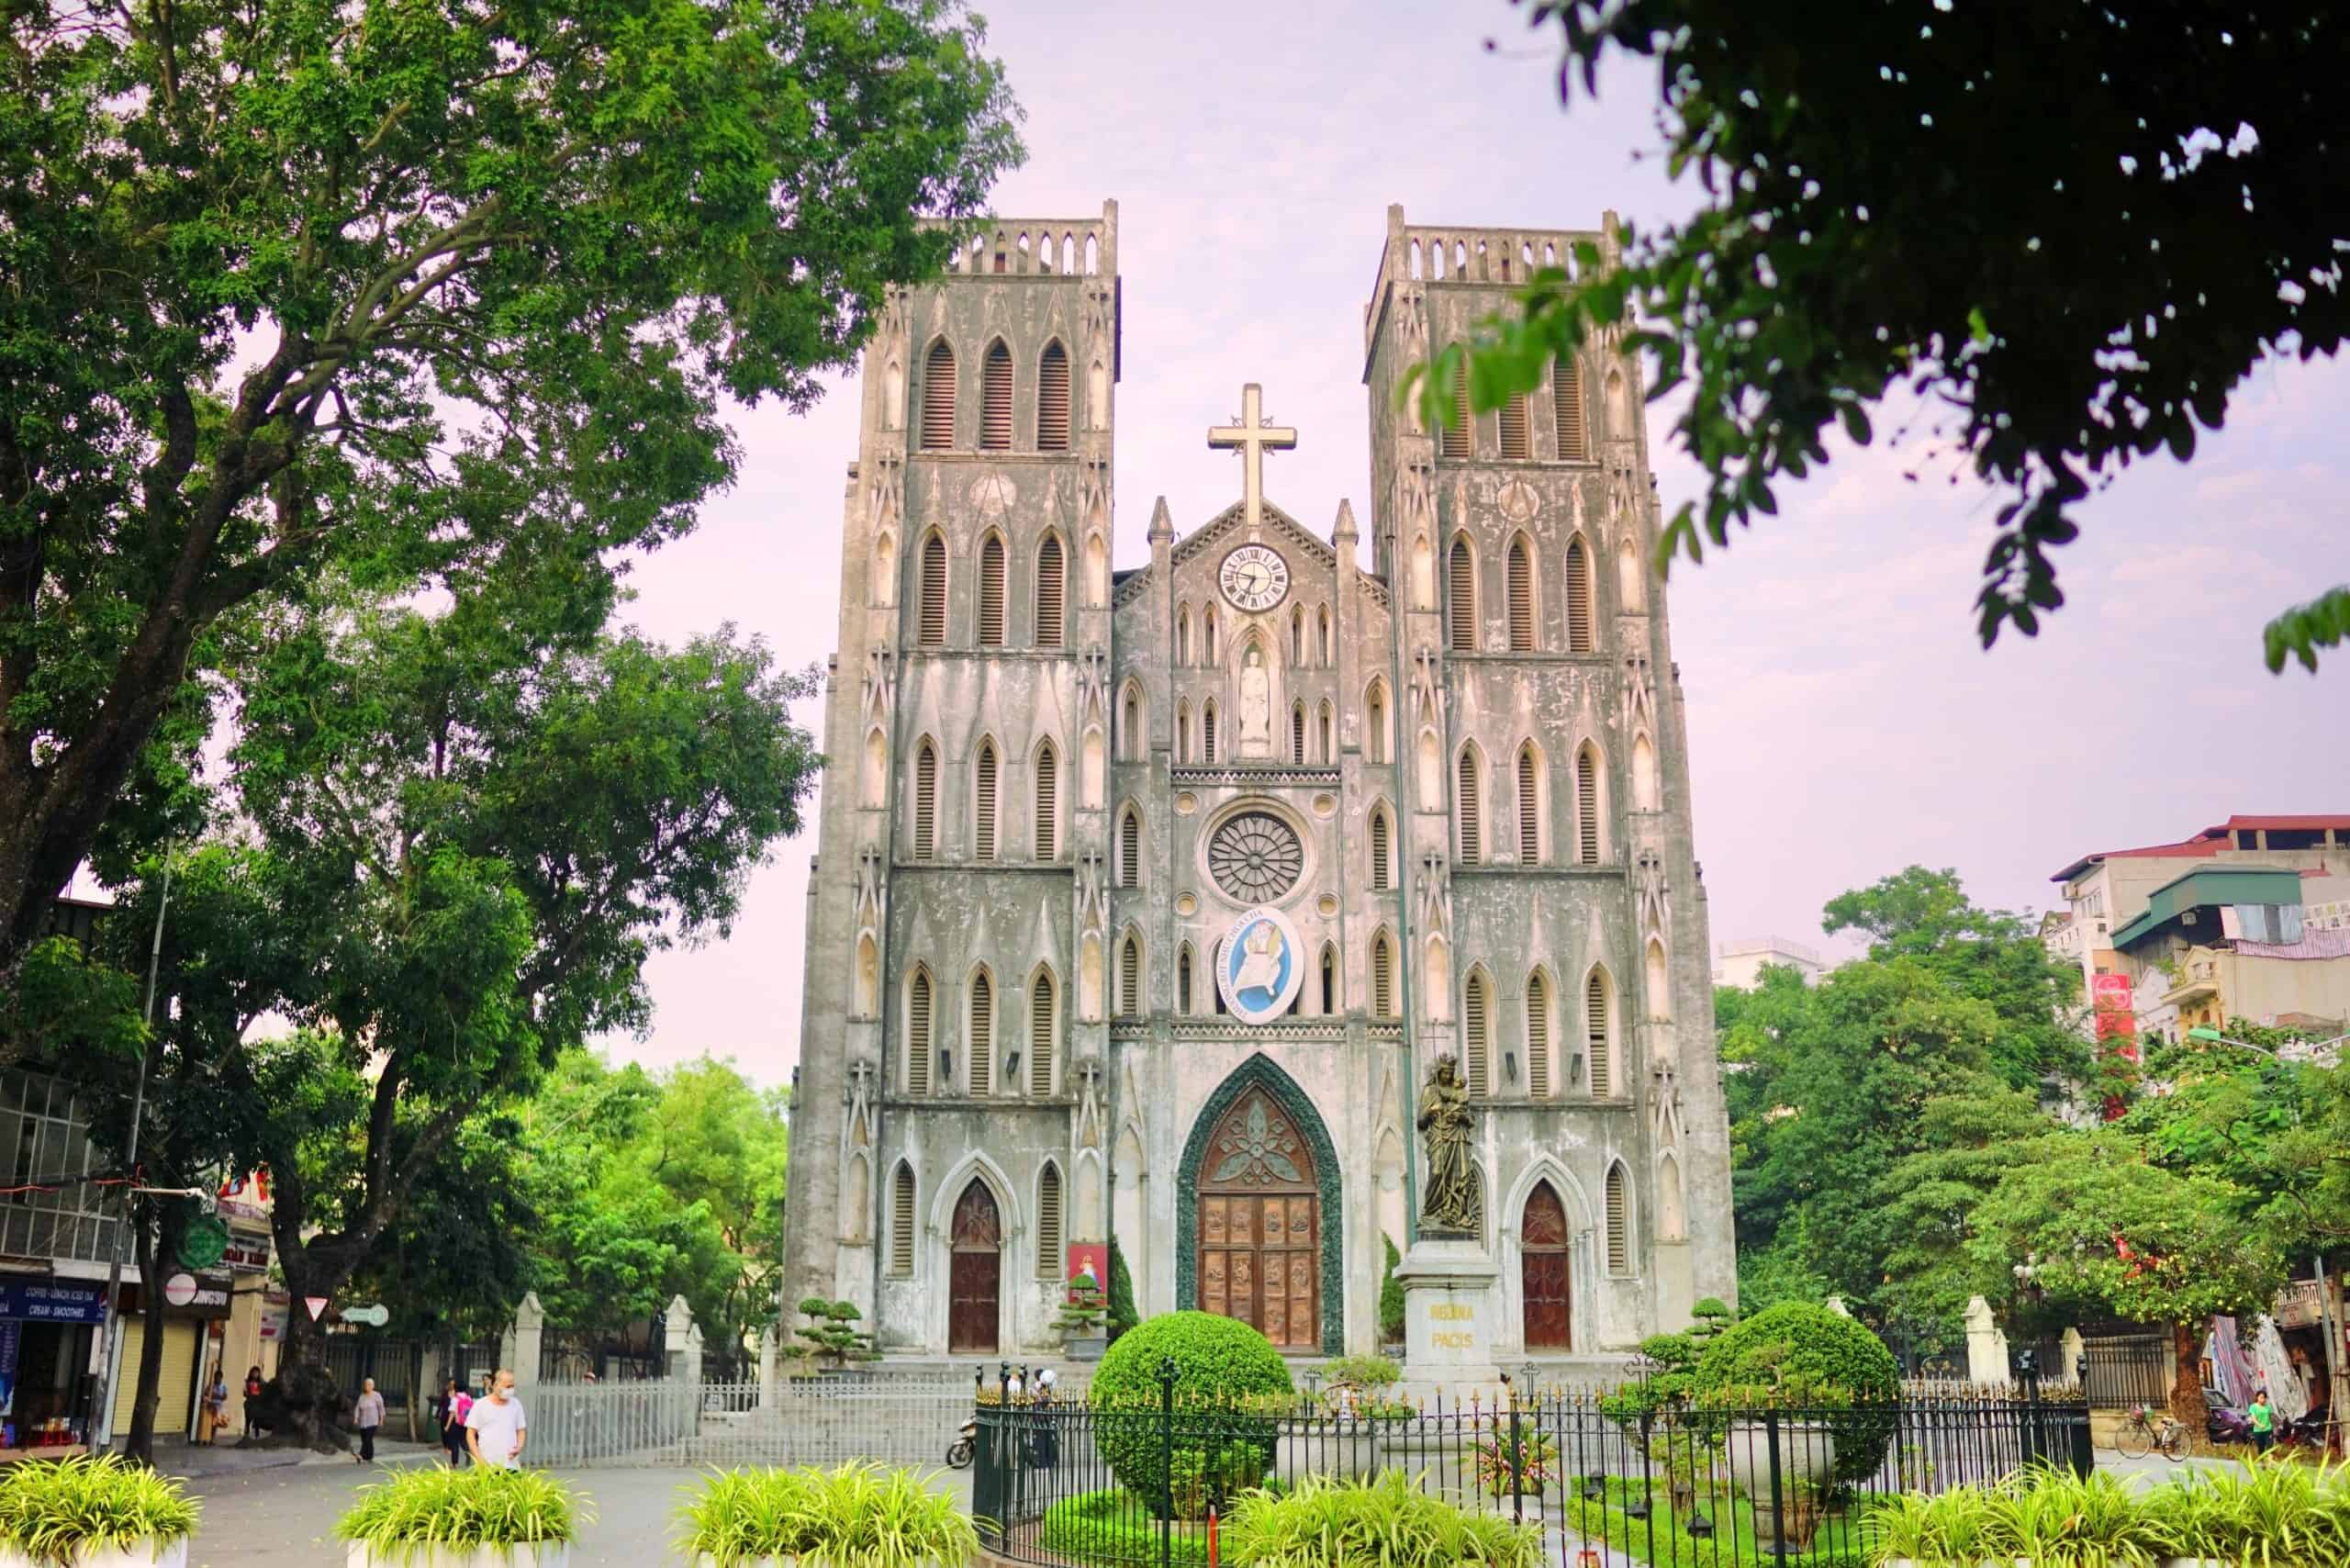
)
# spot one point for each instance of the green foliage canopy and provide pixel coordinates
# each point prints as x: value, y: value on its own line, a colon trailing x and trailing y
x: 1216, y: 1359
x: 1886, y: 212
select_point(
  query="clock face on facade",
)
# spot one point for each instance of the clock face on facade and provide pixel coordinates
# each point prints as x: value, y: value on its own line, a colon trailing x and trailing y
x: 1254, y: 578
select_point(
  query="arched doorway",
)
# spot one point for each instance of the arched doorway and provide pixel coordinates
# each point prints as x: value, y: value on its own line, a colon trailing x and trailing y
x: 976, y: 1273
x: 1259, y: 1230
x: 1542, y: 1263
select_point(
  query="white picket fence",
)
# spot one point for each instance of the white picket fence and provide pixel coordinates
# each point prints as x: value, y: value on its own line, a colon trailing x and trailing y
x: 808, y: 1421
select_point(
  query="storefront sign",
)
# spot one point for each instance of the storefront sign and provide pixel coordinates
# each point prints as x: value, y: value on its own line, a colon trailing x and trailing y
x: 2297, y: 1304
x: 253, y: 1258
x: 39, y: 1301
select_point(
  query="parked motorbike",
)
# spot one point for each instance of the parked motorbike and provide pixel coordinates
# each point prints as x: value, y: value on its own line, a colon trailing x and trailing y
x: 2225, y: 1424
x: 2307, y: 1433
x: 958, y: 1452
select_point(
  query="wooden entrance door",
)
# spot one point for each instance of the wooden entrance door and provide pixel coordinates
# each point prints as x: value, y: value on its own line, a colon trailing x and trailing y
x: 1543, y: 1277
x: 976, y: 1273
x: 1259, y: 1241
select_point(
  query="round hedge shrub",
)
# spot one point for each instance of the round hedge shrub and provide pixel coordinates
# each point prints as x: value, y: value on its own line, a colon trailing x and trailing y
x: 1227, y: 1378
x: 1802, y: 1356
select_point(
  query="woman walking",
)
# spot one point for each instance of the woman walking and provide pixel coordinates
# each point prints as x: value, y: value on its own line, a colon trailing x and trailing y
x: 455, y: 1405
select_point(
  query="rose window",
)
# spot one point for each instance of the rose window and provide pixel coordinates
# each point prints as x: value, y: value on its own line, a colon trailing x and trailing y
x: 1255, y: 858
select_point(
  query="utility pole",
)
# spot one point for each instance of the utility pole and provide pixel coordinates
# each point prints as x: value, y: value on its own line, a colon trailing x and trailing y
x: 102, y: 1393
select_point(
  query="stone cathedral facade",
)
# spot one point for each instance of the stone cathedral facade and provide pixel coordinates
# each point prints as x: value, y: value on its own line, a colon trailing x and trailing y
x: 1147, y: 896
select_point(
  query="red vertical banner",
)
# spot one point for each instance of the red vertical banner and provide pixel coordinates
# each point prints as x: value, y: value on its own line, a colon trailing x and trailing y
x: 2116, y: 1014
x: 1089, y: 1266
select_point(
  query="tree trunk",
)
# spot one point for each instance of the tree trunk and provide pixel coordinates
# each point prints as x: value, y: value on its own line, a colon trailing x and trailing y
x: 138, y: 1443
x: 2187, y: 1402
x: 303, y: 1406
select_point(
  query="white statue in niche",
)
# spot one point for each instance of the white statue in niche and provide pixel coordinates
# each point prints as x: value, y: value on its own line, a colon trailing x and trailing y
x: 1255, y: 704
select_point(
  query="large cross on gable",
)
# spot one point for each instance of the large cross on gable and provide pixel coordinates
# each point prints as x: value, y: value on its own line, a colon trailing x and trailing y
x: 1252, y: 438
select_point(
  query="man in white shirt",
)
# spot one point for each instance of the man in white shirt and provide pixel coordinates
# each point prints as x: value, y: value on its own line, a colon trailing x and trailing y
x: 494, y: 1427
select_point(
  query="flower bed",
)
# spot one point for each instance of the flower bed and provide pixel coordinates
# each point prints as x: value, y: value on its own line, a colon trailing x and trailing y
x: 854, y: 1516
x: 430, y: 1517
x: 94, y: 1513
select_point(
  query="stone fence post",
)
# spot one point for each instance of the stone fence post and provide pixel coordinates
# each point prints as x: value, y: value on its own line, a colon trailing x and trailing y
x: 680, y: 1342
x: 528, y: 1335
x: 1986, y: 1347
x: 770, y: 1369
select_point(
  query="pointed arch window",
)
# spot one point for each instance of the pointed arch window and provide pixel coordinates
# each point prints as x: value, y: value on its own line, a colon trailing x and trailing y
x: 983, y: 803
x: 1587, y: 805
x: 1052, y: 398
x: 1329, y: 981
x: 1207, y: 733
x: 1476, y: 1036
x: 1375, y: 720
x: 1130, y: 849
x: 1041, y: 1036
x: 1183, y: 752
x: 1510, y: 421
x: 1529, y: 807
x: 933, y: 592
x: 1134, y: 743
x: 1382, y: 977
x: 1619, y: 1221
x: 1598, y: 1035
x: 1183, y: 980
x: 995, y: 398
x: 925, y: 802
x: 1130, y: 977
x: 1457, y: 437
x: 1297, y: 733
x: 1379, y: 849
x: 1048, y: 1222
x: 1581, y: 638
x: 982, y: 1034
x: 1329, y: 734
x: 918, y: 1045
x: 938, y: 398
x: 1208, y: 637
x: 901, y: 1220
x: 1297, y: 636
x: 991, y: 592
x: 1183, y: 635
x: 1521, y: 596
x: 1471, y: 811
x: 1461, y: 588
x: 1537, y: 1035
x: 1048, y: 802
x: 1566, y: 403
x: 1330, y: 644
x: 1051, y: 579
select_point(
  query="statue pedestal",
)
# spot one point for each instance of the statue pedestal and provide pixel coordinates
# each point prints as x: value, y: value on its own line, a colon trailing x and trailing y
x: 1451, y: 1319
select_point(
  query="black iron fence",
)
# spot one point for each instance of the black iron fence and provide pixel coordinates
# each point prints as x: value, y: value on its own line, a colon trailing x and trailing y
x: 1074, y: 1486
x: 394, y: 1363
x: 2127, y: 1371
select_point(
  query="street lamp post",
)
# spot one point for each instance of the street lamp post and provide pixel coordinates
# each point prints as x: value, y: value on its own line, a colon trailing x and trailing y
x: 2329, y: 1321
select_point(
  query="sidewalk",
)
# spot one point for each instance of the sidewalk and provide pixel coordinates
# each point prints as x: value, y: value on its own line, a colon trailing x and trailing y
x: 191, y: 1461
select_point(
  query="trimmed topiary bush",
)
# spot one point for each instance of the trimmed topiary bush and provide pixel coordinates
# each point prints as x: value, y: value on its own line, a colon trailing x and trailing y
x: 1808, y: 1357
x: 1229, y: 1385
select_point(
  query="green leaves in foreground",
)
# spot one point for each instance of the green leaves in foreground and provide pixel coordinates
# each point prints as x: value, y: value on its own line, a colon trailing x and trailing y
x: 2304, y: 629
x: 1388, y: 1522
x: 860, y: 1516
x: 56, y: 1513
x: 429, y: 1506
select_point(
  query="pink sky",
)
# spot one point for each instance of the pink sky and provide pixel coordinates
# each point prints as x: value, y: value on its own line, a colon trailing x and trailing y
x: 1843, y: 722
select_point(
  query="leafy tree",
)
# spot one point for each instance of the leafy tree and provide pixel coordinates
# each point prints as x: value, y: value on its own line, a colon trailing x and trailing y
x: 409, y: 290
x: 1886, y: 216
x: 2104, y: 1230
x: 1969, y: 1143
x: 1123, y: 1314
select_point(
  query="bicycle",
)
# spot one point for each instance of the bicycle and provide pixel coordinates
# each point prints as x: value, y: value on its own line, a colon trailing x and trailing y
x: 2142, y: 1435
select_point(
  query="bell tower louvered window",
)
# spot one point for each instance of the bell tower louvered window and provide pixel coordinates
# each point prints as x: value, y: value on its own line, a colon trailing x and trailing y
x: 1529, y: 809
x: 1130, y: 850
x: 1460, y: 587
x: 1379, y: 849
x: 1130, y: 978
x: 1510, y: 419
x: 1048, y: 1222
x: 1587, y: 806
x: 1048, y: 802
x: 1208, y: 735
x: 1580, y: 636
x: 938, y: 398
x: 991, y: 592
x: 1476, y: 1037
x: 1473, y: 824
x: 1595, y: 1007
x: 933, y: 592
x: 1382, y: 977
x: 925, y: 802
x: 1521, y: 597
x: 1041, y: 1036
x: 983, y: 804
x: 1051, y: 577
x: 901, y: 1221
x: 982, y: 1034
x: 1538, y: 1036
x: 1566, y: 401
x: 1619, y: 1222
x: 1457, y: 438
x: 1297, y: 734
x: 1052, y: 399
x: 918, y: 1049
x: 1329, y: 981
x: 1183, y: 980
x: 995, y: 399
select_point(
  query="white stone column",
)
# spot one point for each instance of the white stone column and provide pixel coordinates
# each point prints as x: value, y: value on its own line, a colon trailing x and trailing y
x: 770, y: 1369
x: 526, y: 1337
x: 1986, y: 1347
x: 679, y: 1341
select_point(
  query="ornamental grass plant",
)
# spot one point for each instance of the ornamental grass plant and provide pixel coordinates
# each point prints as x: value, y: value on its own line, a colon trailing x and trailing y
x: 429, y: 1509
x: 1383, y: 1523
x: 858, y: 1516
x: 57, y: 1512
